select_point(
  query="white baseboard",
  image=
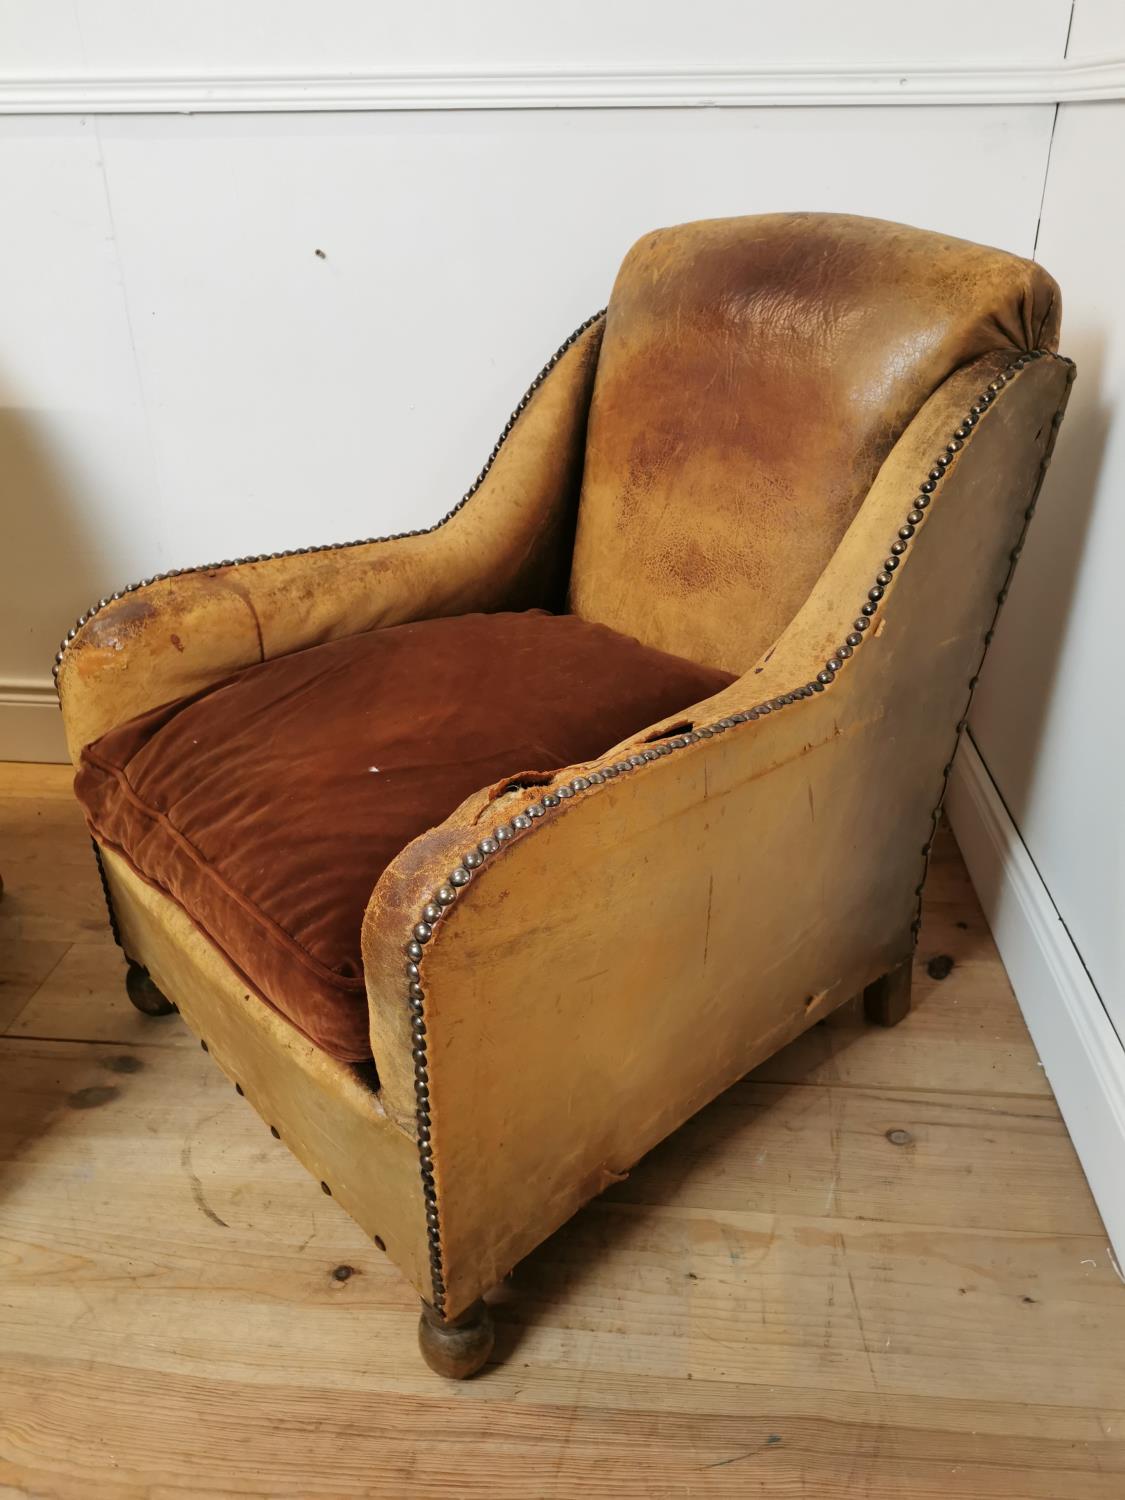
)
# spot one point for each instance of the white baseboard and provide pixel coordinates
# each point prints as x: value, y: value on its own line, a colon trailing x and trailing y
x: 30, y: 722
x: 1079, y: 1048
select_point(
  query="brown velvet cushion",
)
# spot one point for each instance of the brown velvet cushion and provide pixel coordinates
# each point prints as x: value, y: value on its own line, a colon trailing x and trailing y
x: 267, y: 806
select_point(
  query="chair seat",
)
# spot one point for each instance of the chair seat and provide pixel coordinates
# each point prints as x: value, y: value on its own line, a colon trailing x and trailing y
x: 268, y: 805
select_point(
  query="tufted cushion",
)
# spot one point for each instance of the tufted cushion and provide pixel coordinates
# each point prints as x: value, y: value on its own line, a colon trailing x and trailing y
x: 268, y: 805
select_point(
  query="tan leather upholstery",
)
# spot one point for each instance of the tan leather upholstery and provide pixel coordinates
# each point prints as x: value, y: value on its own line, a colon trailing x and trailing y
x: 268, y: 805
x: 508, y: 548
x: 754, y: 375
x: 813, y: 446
x: 324, y: 1111
x: 694, y: 915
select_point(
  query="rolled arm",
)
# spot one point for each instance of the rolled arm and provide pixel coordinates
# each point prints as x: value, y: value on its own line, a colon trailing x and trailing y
x: 507, y: 546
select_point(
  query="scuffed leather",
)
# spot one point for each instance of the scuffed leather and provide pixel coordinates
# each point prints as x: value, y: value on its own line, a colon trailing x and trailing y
x: 268, y: 805
x: 324, y: 1110
x: 754, y: 375
x: 507, y: 549
x: 619, y: 964
x: 624, y: 959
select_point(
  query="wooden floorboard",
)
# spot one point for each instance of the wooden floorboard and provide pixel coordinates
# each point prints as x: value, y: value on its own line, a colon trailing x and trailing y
x: 871, y: 1269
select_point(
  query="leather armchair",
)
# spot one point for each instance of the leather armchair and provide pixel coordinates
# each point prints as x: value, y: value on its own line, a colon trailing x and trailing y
x: 798, y: 453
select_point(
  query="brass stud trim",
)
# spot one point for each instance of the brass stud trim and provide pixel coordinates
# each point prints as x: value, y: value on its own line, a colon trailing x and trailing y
x: 106, y: 896
x: 367, y: 541
x: 523, y: 823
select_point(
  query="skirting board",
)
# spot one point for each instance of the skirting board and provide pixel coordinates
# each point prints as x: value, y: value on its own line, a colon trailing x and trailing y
x: 31, y: 725
x: 1079, y: 1048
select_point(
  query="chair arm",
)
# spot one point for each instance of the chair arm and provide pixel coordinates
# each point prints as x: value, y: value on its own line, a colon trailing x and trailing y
x: 507, y: 548
x: 637, y: 946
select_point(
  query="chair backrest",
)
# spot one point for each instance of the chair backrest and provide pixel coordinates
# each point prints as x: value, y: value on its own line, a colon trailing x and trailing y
x: 754, y: 375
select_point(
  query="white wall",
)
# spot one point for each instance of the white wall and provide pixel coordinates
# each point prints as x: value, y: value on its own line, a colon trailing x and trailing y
x: 92, y: 41
x: 1050, y: 722
x: 186, y: 379
x: 1048, y: 719
x: 183, y: 378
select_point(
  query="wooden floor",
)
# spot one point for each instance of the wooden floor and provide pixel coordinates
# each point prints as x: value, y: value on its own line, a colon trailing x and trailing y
x: 871, y: 1269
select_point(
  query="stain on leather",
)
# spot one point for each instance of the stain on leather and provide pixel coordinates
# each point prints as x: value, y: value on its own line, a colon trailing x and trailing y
x: 508, y: 548
x: 228, y: 580
x: 754, y: 375
x: 113, y: 627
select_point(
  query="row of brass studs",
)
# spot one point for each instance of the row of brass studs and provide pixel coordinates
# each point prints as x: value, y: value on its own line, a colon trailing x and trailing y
x: 1014, y: 557
x: 113, y: 927
x: 301, y: 551
x: 238, y: 562
x: 380, y: 1243
x: 446, y: 894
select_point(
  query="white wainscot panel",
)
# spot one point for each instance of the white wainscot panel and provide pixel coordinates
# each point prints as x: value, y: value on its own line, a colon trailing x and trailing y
x: 76, y: 480
x: 297, y: 396
x: 130, y: 38
x: 1048, y: 716
x: 186, y: 380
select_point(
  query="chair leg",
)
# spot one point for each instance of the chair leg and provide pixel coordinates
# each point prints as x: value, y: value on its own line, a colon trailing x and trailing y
x: 457, y: 1347
x: 144, y: 994
x: 887, y: 1001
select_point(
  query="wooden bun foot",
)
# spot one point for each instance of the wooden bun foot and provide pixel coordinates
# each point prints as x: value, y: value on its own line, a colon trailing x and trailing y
x: 144, y: 994
x: 457, y: 1347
